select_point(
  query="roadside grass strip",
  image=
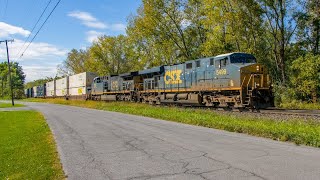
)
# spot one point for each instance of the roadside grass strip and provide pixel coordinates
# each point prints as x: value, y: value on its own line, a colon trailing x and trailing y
x: 299, y: 131
x: 9, y: 105
x: 27, y: 147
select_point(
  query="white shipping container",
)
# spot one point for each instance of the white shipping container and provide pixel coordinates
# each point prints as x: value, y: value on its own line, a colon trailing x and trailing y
x: 62, y: 87
x: 50, y: 88
x: 78, y: 91
x: 78, y: 83
x: 34, y: 91
x: 61, y: 92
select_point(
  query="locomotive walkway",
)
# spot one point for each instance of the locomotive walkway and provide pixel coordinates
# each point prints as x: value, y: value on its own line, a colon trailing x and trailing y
x: 97, y: 144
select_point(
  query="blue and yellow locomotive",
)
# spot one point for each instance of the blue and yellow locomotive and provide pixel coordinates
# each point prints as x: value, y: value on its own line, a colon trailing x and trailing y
x: 233, y: 80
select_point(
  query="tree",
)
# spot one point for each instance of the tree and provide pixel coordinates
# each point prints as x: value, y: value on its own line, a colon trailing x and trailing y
x: 306, y: 79
x: 308, y: 35
x: 167, y: 32
x: 281, y: 27
x: 75, y: 62
x: 109, y: 55
x: 18, y: 79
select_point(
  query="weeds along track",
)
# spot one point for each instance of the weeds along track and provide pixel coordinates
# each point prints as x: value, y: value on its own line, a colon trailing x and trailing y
x: 270, y: 113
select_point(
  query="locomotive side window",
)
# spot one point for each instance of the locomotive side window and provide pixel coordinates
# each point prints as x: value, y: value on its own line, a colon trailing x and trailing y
x: 198, y: 63
x: 98, y: 80
x: 105, y: 85
x: 242, y: 58
x: 221, y: 63
x: 189, y: 66
x: 211, y: 62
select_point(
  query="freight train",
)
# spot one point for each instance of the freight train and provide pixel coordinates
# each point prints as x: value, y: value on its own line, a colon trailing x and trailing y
x: 233, y: 80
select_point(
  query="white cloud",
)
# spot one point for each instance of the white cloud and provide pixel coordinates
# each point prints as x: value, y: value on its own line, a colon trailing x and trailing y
x: 87, y: 19
x: 81, y: 15
x: 97, y: 25
x: 34, y: 72
x: 118, y: 27
x: 6, y: 30
x: 93, y: 36
x: 39, y: 61
x: 90, y: 21
x: 35, y: 51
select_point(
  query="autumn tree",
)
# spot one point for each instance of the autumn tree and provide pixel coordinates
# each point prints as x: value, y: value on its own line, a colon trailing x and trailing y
x: 75, y: 62
x: 306, y: 79
x: 308, y: 36
x: 280, y: 24
x: 111, y: 55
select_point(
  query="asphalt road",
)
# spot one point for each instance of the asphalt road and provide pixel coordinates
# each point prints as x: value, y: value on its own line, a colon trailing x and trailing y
x: 97, y: 144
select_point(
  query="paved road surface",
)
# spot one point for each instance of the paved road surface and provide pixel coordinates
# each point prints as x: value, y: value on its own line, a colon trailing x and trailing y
x: 96, y: 144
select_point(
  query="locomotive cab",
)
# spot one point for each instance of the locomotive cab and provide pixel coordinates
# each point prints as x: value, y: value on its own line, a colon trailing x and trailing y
x: 254, y: 81
x: 246, y: 83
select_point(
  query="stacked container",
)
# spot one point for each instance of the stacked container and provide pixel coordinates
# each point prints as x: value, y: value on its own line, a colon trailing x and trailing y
x: 26, y: 92
x: 62, y: 87
x: 80, y: 84
x: 51, y: 88
x: 34, y: 89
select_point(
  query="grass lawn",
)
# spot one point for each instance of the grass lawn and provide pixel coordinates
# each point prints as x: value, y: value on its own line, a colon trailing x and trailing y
x: 9, y: 105
x: 297, y: 131
x: 27, y: 147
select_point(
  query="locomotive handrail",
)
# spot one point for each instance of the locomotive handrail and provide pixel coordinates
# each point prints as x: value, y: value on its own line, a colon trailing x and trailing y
x: 249, y: 83
x: 243, y: 81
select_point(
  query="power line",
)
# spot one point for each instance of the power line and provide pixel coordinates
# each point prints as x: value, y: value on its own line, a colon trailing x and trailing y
x: 41, y: 27
x: 44, y: 10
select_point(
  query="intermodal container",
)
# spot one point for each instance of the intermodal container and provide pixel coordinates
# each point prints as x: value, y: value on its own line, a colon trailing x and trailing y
x: 34, y: 89
x: 62, y: 87
x: 51, y: 88
x: 79, y: 84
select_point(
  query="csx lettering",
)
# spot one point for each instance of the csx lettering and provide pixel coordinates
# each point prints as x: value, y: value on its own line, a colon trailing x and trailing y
x: 114, y: 84
x: 173, y: 77
x: 221, y: 72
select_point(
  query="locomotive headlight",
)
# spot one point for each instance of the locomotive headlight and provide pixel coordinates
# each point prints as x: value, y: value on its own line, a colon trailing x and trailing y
x: 258, y: 68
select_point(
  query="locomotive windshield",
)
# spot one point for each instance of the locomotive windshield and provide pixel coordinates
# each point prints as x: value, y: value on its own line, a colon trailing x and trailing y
x: 242, y: 58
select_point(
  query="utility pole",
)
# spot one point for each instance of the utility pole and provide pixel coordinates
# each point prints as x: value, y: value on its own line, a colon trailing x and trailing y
x: 11, y: 86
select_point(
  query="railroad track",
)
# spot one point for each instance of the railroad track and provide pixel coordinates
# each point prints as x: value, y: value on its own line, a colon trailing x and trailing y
x: 296, y: 112
x: 305, y: 113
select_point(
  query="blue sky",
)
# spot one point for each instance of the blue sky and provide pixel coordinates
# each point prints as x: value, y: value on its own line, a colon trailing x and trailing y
x: 74, y: 24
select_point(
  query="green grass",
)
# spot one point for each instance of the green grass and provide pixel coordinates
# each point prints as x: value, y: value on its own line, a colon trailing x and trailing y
x: 297, y: 131
x: 9, y: 105
x: 300, y: 105
x: 27, y: 147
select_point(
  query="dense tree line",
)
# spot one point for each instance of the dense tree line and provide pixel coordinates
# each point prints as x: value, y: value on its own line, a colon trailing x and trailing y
x: 17, y: 76
x: 40, y: 82
x: 283, y: 34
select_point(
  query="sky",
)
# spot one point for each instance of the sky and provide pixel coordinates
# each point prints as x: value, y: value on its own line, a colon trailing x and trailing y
x: 73, y: 24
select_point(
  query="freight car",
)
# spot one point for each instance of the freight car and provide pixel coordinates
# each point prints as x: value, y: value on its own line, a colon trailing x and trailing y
x: 233, y: 80
x: 80, y: 85
x: 30, y: 93
x: 62, y: 87
x: 26, y: 93
x: 41, y: 91
x: 51, y: 89
x: 34, y: 92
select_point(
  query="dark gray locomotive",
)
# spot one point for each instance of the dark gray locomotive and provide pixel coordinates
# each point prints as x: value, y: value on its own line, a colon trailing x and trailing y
x: 233, y: 80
